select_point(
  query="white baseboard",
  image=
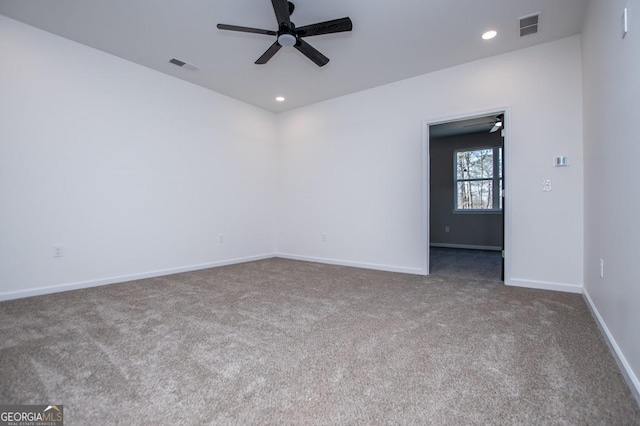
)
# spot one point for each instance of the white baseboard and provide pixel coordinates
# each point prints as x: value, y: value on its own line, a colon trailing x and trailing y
x: 545, y: 285
x: 466, y: 246
x: 19, y: 294
x: 627, y: 371
x: 376, y: 266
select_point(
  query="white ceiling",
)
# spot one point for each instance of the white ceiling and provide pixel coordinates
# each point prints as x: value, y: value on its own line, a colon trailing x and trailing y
x: 390, y: 41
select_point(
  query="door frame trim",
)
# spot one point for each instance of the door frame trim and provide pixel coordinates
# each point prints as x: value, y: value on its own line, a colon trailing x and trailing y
x: 426, y: 181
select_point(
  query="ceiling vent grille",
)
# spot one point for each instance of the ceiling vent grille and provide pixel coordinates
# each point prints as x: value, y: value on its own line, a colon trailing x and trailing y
x: 183, y: 64
x: 529, y: 24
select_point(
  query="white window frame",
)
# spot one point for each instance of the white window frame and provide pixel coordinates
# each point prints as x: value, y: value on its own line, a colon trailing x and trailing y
x: 495, y: 180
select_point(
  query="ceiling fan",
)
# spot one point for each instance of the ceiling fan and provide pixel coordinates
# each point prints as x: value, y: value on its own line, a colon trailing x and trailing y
x: 497, y: 122
x: 289, y: 35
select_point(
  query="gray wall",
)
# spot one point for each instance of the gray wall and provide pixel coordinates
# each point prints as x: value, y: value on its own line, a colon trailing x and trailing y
x: 464, y: 229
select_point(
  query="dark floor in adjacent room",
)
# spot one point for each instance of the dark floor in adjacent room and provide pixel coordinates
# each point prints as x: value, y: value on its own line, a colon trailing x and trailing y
x: 465, y: 263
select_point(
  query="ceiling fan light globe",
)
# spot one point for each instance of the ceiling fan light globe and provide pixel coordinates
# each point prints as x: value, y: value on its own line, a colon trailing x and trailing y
x: 286, y: 40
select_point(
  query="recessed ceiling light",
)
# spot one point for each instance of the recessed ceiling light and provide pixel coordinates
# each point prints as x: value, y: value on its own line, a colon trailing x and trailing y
x: 489, y: 35
x: 280, y: 98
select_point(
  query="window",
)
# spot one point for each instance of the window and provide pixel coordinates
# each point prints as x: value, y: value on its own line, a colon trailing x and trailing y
x: 478, y: 179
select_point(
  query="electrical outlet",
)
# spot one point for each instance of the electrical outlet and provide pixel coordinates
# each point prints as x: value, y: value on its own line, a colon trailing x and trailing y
x: 546, y: 185
x: 446, y: 229
x: 221, y: 239
x: 324, y: 238
x: 601, y: 268
x: 58, y: 251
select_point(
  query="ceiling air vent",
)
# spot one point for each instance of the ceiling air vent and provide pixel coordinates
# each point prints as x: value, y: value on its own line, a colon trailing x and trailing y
x: 529, y: 24
x: 183, y: 64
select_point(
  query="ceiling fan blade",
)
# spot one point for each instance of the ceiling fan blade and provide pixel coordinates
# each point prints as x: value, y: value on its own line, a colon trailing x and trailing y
x: 327, y: 27
x: 499, y: 124
x: 268, y: 54
x: 281, y: 8
x: 480, y: 124
x: 311, y: 53
x: 246, y: 29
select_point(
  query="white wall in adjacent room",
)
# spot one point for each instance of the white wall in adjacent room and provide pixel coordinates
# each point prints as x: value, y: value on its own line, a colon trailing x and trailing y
x: 351, y: 168
x: 612, y: 194
x: 132, y: 171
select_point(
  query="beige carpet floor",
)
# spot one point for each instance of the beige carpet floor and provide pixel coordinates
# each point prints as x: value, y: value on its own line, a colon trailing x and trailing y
x: 287, y: 342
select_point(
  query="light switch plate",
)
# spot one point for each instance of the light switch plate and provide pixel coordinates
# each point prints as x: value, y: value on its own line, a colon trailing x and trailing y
x: 561, y: 161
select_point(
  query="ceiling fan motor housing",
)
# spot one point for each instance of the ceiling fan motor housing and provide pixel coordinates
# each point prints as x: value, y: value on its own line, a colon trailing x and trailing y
x: 287, y: 34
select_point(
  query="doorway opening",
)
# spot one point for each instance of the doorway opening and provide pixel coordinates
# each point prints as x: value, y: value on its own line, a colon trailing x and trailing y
x: 465, y: 207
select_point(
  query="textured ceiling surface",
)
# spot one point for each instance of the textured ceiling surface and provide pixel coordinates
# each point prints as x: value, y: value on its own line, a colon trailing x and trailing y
x: 390, y: 41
